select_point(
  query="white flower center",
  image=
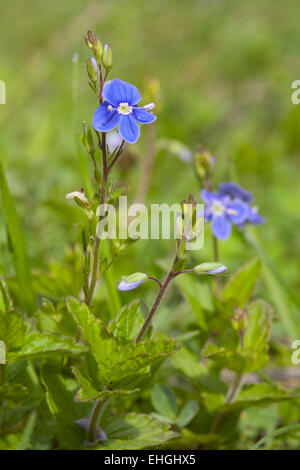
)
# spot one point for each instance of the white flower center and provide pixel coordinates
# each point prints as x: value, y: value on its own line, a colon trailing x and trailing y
x: 124, y: 108
x: 218, y: 208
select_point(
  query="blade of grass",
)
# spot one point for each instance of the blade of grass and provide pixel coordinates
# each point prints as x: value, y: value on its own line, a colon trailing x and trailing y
x: 277, y: 432
x: 20, y: 258
x: 25, y: 438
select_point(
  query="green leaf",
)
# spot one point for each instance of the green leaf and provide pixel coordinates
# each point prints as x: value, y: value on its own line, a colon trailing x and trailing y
x: 88, y: 392
x: 164, y: 401
x: 60, y: 398
x: 100, y: 341
x: 259, y: 326
x: 24, y: 442
x: 187, y: 413
x: 134, y: 431
x: 119, y: 367
x: 241, y: 284
x: 278, y: 432
x: 21, y: 259
x: 12, y: 329
x: 5, y: 301
x: 45, y: 344
x: 128, y: 324
x: 255, y: 396
x: 12, y: 391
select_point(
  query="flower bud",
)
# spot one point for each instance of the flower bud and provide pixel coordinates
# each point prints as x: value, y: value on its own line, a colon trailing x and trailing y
x: 209, y: 268
x: 204, y: 163
x: 87, y: 140
x: 92, y: 69
x: 79, y: 198
x: 98, y: 49
x: 132, y: 282
x: 107, y: 56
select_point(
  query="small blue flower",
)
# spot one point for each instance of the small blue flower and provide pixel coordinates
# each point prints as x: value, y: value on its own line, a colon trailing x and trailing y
x: 236, y: 191
x: 222, y: 211
x: 120, y: 109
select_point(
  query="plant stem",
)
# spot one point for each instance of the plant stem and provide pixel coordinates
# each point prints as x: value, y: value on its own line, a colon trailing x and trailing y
x: 229, y: 399
x: 95, y: 418
x: 160, y: 294
x: 216, y: 259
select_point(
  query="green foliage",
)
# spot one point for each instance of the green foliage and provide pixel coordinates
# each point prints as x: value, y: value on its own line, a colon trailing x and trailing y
x: 240, y: 285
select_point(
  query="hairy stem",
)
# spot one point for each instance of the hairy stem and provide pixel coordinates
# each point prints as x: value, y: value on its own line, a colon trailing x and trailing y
x: 99, y: 407
x: 160, y: 294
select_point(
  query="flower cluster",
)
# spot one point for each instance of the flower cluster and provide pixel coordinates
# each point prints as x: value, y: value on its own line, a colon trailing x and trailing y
x: 230, y: 205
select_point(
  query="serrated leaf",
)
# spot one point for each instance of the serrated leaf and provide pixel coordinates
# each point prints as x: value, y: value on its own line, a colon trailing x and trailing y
x: 241, y: 284
x: 164, y: 401
x: 88, y: 392
x: 187, y: 413
x: 44, y: 344
x: 134, y: 431
x: 101, y: 342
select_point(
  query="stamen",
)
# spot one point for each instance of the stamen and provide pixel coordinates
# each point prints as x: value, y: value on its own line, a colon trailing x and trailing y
x: 149, y: 106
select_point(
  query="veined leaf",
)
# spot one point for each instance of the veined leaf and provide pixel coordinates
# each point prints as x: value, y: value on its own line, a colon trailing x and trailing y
x: 134, y: 431
x: 127, y: 325
x: 12, y: 329
x: 164, y: 401
x: 241, y: 284
x: 45, y: 344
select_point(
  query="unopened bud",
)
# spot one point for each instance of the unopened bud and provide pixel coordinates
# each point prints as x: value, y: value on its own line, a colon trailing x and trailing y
x: 92, y: 69
x: 79, y: 198
x: 209, y: 268
x: 98, y: 49
x: 107, y: 56
x: 204, y: 163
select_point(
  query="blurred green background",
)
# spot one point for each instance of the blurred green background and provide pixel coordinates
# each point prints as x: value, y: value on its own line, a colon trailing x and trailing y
x: 225, y: 69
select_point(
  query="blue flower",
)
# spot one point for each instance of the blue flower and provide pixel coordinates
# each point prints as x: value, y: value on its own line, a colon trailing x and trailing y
x: 236, y: 191
x: 120, y: 109
x: 222, y: 211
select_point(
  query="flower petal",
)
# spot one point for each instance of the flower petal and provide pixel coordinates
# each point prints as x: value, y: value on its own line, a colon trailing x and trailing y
x: 237, y: 212
x: 221, y: 227
x: 129, y: 129
x: 255, y: 218
x: 234, y: 190
x: 142, y: 116
x: 207, y: 196
x: 105, y: 120
x: 117, y: 91
x: 127, y: 286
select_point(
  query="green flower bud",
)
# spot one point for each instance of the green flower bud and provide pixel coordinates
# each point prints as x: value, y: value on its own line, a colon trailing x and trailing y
x: 98, y: 49
x: 204, y: 163
x: 136, y: 277
x: 91, y: 71
x: 209, y: 268
x: 107, y: 56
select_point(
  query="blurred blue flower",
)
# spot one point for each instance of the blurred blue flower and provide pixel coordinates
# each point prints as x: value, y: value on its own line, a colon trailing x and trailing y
x: 222, y: 211
x: 120, y: 109
x: 235, y: 191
